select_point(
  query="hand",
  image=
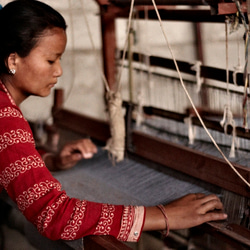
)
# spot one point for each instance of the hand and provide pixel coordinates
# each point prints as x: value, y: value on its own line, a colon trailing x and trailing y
x: 193, y: 210
x: 189, y: 211
x: 73, y: 152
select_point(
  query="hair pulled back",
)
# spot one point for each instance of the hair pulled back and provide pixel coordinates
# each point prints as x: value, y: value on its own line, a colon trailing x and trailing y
x: 22, y: 22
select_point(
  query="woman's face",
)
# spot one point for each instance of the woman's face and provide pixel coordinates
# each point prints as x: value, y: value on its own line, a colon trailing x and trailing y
x: 37, y: 73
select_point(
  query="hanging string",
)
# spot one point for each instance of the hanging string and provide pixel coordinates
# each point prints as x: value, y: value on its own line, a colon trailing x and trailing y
x: 225, y: 123
x: 73, y: 56
x: 147, y: 61
x: 126, y: 43
x: 228, y: 115
x: 191, y: 129
x: 191, y: 101
x: 245, y: 96
x: 235, y: 24
x: 199, y: 80
x: 93, y: 47
x: 238, y: 67
x: 67, y: 96
x: 246, y: 77
x: 140, y: 96
x: 130, y: 62
x: 227, y: 68
x: 116, y: 144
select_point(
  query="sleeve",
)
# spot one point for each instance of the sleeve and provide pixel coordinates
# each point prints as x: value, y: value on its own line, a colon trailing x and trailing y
x: 39, y: 197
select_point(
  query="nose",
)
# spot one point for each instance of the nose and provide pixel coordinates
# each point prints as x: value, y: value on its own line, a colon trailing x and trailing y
x: 58, y: 69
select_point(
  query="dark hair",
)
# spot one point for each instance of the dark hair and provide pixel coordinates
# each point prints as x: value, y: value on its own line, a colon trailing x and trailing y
x: 22, y: 22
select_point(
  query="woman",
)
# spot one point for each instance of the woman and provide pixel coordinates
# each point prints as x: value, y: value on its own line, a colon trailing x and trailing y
x: 33, y: 41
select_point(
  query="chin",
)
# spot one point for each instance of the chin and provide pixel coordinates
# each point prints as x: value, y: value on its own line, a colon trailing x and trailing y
x: 44, y: 94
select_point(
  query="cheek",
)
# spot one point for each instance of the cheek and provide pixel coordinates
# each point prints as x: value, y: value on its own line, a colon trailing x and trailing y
x: 35, y: 65
x: 38, y: 71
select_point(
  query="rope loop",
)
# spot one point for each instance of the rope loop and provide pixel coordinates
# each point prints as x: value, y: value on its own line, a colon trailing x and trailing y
x: 191, y: 129
x: 225, y: 123
x: 199, y: 80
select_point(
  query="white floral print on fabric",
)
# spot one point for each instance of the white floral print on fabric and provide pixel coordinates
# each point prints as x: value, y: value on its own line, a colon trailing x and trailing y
x: 127, y: 222
x: 35, y: 193
x: 46, y: 216
x: 15, y: 137
x: 19, y: 167
x: 75, y: 221
x: 106, y: 219
x: 10, y: 112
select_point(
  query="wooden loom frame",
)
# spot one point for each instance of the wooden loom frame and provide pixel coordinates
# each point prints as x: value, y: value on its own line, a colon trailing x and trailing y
x: 204, y: 167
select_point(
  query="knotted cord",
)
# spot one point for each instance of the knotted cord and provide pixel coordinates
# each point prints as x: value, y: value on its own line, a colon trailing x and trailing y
x: 191, y: 129
x: 191, y: 101
x: 234, y: 27
x: 228, y: 115
x: 245, y: 95
x: 72, y: 56
x: 93, y: 47
x: 140, y: 93
x: 116, y: 144
x: 199, y: 80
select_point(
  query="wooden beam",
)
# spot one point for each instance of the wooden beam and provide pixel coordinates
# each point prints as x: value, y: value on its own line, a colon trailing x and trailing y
x: 103, y: 243
x: 210, y: 124
x: 207, y: 72
x: 197, y: 164
x: 237, y: 237
x: 230, y: 8
x: 163, y: 2
x: 97, y: 129
x: 174, y: 14
x: 107, y: 19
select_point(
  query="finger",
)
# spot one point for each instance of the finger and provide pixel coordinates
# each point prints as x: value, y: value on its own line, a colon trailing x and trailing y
x: 214, y: 216
x: 207, y: 198
x: 182, y: 201
x: 71, y: 159
x: 75, y: 157
x: 85, y: 146
x: 199, y: 195
x: 87, y: 155
x: 210, y: 206
x: 191, y: 197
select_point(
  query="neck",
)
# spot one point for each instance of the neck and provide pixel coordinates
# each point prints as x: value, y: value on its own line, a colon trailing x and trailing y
x: 18, y: 99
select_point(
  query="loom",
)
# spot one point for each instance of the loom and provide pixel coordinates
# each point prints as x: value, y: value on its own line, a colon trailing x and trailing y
x: 162, y: 162
x: 162, y: 139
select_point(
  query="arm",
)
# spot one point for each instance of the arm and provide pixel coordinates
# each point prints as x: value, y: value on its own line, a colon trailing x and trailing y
x: 40, y: 198
x: 188, y: 211
x: 38, y: 194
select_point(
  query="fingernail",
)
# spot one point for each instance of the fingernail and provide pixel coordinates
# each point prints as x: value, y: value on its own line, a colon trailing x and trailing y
x: 87, y: 155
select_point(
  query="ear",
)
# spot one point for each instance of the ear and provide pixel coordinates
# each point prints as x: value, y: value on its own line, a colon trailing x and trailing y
x: 11, y: 61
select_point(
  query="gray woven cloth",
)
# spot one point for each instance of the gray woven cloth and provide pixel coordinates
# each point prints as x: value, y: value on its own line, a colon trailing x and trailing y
x: 128, y: 182
x: 177, y: 132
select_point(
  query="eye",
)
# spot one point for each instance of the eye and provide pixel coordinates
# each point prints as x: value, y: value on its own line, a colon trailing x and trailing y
x: 50, y: 62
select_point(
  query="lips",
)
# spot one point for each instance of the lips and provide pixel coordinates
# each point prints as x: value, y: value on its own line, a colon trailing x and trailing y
x: 52, y: 85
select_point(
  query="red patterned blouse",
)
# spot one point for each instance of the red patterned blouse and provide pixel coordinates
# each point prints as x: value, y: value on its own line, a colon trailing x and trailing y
x: 38, y: 194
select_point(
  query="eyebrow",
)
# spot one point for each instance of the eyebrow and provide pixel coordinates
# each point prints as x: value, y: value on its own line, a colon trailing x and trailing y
x: 54, y: 54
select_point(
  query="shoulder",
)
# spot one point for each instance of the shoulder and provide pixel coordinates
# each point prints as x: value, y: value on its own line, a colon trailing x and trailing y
x: 11, y: 117
x: 7, y: 109
x: 4, y: 100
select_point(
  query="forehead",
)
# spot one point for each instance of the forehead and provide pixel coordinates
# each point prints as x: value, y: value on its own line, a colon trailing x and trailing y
x: 51, y: 41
